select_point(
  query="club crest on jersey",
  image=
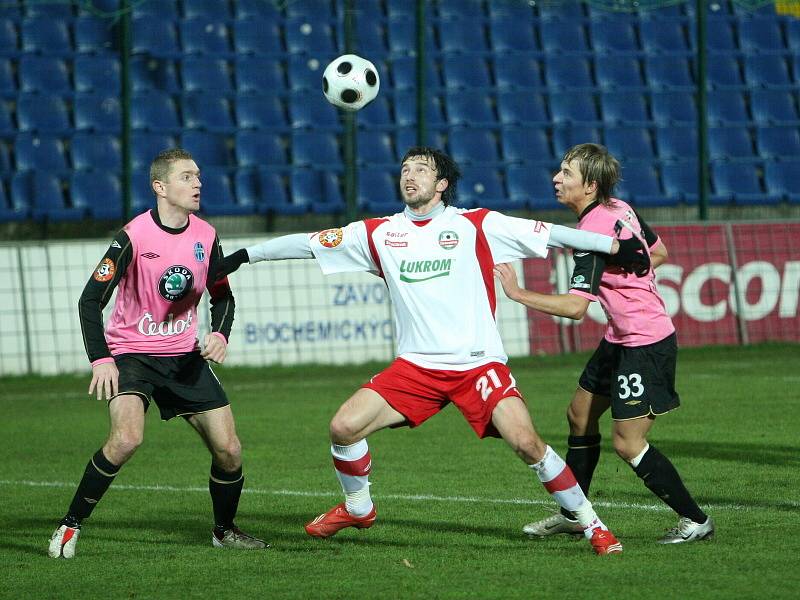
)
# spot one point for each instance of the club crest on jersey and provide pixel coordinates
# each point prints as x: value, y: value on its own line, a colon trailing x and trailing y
x: 448, y: 239
x: 105, y: 270
x: 199, y: 252
x: 175, y: 283
x: 330, y: 238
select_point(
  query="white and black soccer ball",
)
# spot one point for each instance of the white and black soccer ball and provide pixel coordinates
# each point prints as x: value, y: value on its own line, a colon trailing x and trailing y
x: 350, y: 82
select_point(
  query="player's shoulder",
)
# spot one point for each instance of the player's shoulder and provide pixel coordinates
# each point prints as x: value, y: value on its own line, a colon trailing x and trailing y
x: 603, y: 217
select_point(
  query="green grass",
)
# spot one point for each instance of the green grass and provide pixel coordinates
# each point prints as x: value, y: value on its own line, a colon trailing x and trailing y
x: 450, y: 506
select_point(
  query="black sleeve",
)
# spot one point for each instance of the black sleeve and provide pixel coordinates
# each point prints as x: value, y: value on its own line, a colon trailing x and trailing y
x: 587, y: 272
x: 649, y: 235
x: 97, y: 293
x: 222, y: 302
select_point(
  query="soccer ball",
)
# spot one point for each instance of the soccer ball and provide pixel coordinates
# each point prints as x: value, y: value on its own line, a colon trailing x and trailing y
x: 350, y: 82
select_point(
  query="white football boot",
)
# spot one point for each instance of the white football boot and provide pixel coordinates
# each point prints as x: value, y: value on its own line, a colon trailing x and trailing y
x: 63, y: 542
x: 553, y: 525
x: 689, y: 531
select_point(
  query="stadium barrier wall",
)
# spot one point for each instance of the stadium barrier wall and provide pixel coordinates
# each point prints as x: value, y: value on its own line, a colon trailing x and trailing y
x: 723, y: 284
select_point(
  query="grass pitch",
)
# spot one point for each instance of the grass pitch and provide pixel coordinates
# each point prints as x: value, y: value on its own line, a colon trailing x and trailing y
x: 450, y: 507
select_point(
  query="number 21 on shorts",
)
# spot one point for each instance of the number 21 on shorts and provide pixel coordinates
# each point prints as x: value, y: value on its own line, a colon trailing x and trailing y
x: 490, y: 381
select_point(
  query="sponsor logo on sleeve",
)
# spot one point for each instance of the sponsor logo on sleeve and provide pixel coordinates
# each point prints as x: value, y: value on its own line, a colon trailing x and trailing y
x: 330, y: 238
x: 105, y: 270
x: 199, y: 252
x: 448, y: 239
x: 175, y: 283
x: 579, y: 282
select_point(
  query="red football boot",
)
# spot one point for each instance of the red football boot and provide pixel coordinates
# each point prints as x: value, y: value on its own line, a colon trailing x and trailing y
x: 327, y: 524
x: 604, y: 542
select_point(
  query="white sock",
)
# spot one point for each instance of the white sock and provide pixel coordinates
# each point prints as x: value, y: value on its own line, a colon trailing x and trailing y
x: 353, y: 464
x: 634, y: 462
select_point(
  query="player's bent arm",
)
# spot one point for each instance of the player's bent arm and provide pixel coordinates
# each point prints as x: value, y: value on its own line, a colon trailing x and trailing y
x: 658, y: 254
x: 570, y: 306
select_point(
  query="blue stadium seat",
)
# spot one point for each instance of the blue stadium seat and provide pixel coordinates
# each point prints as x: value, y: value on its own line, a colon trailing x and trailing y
x: 260, y: 148
x: 568, y: 72
x: 465, y: 71
x: 5, y: 158
x: 512, y: 11
x: 793, y: 35
x: 681, y: 181
x: 513, y: 35
x: 518, y: 71
x: 205, y: 35
x: 257, y: 36
x: 458, y: 9
x: 314, y: 149
x: 571, y: 11
x: 567, y: 135
x: 97, y: 193
x: 9, y: 38
x: 310, y: 10
x: 207, y: 111
x: 720, y: 37
x: 611, y: 36
x: 154, y: 111
x: 9, y: 210
x: 332, y: 201
x: 259, y: 75
x: 526, y: 144
x: 740, y: 183
x: 8, y: 85
x: 309, y: 191
x: 364, y: 11
x: 146, y: 145
x: 773, y: 107
x: 261, y: 112
x: 142, y: 196
x: 668, y: 72
x: 371, y: 37
x: 167, y: 9
x: 316, y: 39
x: 532, y: 186
x: 377, y: 113
x: 483, y: 186
x: 778, y: 142
x: 403, y: 37
x: 44, y: 193
x: 206, y: 74
x: 625, y: 108
x: 154, y: 35
x: 563, y: 36
x: 374, y: 147
x: 729, y: 143
x: 766, y: 70
x: 573, y: 108
x: 305, y: 73
x: 43, y: 74
x: 405, y: 109
x: 273, y: 195
x: 660, y: 36
x: 520, y: 107
x: 95, y: 35
x: 311, y: 110
x: 749, y: 10
x: 248, y: 189
x: 727, y: 108
x: 469, y: 146
x: 724, y: 72
x: 96, y: 151
x: 97, y: 74
x: 95, y: 7
x: 46, y: 35
x: 209, y: 149
x: 629, y: 143
x: 618, y: 73
x: 257, y: 9
x: 154, y: 73
x: 100, y: 113
x: 206, y: 8
x: 377, y: 192
x: 45, y: 152
x: 406, y: 137
x: 42, y: 113
x: 677, y: 143
x: 640, y: 181
x: 760, y: 35
x: 55, y: 10
x: 781, y: 179
x: 216, y: 194
x: 673, y: 108
x: 404, y: 74
x: 459, y: 35
x: 469, y: 109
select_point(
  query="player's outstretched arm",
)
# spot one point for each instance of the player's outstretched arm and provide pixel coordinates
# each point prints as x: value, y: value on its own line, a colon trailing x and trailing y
x: 570, y: 306
x: 285, y: 247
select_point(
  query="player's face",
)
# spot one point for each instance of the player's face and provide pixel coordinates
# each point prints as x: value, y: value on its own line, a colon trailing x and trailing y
x: 571, y: 191
x: 182, y: 187
x: 418, y: 183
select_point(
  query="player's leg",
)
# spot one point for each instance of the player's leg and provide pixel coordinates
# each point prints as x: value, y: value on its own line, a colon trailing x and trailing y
x: 217, y: 429
x: 126, y: 431
x: 362, y: 414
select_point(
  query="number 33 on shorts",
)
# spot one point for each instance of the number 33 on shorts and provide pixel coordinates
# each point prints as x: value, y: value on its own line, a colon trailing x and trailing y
x: 497, y: 377
x: 629, y: 386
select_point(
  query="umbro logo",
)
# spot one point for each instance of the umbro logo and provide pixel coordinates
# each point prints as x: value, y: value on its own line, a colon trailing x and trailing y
x: 115, y: 244
x: 579, y: 254
x: 150, y: 255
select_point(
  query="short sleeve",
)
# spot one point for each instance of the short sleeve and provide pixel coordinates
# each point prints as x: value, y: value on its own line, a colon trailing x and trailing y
x: 511, y: 238
x: 343, y: 249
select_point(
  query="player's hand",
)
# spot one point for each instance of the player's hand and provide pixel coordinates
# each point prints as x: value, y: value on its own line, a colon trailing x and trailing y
x: 105, y: 380
x: 630, y: 255
x: 227, y: 265
x: 214, y: 349
x: 508, y: 279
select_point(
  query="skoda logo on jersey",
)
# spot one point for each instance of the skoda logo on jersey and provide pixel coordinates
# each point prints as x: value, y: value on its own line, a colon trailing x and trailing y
x: 175, y: 283
x: 199, y: 252
x: 448, y: 239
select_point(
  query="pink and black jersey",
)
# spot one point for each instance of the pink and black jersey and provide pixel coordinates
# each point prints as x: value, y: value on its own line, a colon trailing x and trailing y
x: 160, y: 275
x: 439, y: 277
x: 635, y: 310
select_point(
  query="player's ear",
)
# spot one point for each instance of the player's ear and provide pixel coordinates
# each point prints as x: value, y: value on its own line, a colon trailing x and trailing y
x: 158, y: 187
x: 441, y: 185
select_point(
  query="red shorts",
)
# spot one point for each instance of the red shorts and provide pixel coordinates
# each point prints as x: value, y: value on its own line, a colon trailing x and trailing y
x: 418, y: 393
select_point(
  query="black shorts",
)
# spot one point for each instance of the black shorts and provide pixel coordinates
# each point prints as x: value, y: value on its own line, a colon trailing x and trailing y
x: 180, y: 385
x: 639, y: 380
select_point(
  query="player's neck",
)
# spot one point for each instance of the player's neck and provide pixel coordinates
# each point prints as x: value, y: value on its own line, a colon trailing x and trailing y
x: 171, y: 216
x: 428, y: 211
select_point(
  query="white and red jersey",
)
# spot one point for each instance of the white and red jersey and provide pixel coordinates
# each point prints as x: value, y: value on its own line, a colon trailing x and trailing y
x: 440, y: 277
x: 156, y: 307
x: 636, y: 312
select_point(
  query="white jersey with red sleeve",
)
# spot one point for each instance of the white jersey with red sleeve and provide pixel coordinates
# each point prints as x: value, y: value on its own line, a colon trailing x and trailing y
x: 439, y: 276
x: 156, y: 307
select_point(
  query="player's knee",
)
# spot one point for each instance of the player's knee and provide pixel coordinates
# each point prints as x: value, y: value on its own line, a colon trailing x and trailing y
x: 122, y: 444
x: 229, y: 455
x: 627, y: 449
x: 530, y: 447
x: 343, y: 430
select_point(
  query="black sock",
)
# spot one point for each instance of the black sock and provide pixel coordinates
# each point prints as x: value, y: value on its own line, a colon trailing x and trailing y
x: 225, y: 489
x: 582, y: 455
x: 97, y: 477
x: 661, y: 478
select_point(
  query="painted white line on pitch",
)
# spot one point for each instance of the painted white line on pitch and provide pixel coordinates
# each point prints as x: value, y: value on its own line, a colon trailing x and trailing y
x: 404, y: 497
